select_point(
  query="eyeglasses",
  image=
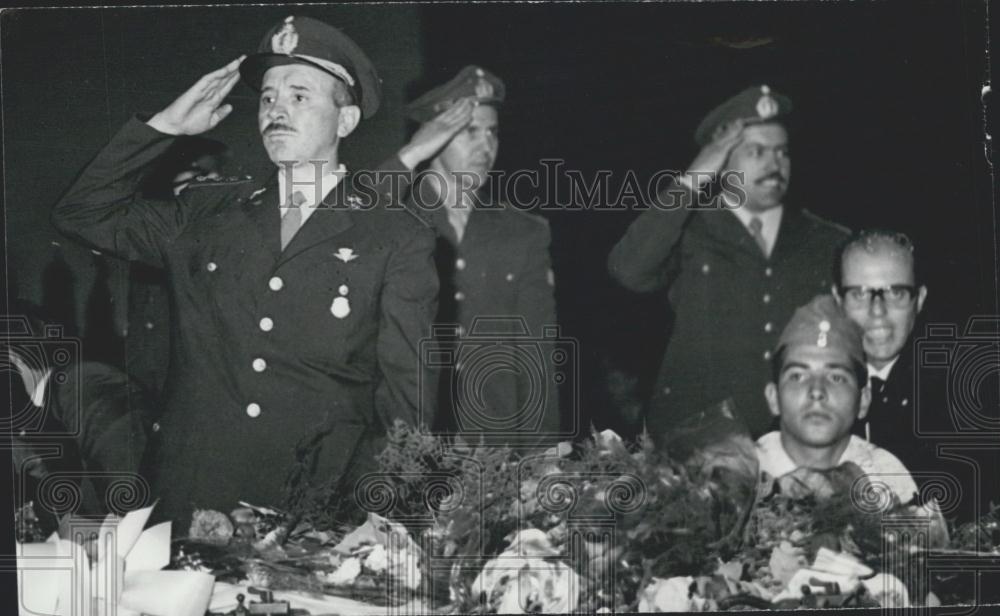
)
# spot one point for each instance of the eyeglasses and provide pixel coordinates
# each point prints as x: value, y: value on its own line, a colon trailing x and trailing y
x: 894, y: 295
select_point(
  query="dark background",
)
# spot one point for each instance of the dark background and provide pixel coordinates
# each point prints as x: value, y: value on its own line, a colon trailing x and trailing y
x: 888, y: 129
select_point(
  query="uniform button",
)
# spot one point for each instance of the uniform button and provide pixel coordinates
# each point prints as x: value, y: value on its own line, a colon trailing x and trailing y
x: 459, y: 296
x: 276, y: 283
x: 211, y: 266
x: 343, y: 289
x: 768, y: 327
x: 460, y: 331
x: 510, y: 277
x: 253, y: 409
x: 905, y: 401
x: 666, y: 390
x: 266, y: 324
x: 149, y: 325
x: 156, y: 426
x: 259, y: 365
x: 705, y: 268
x: 767, y: 355
x: 460, y: 264
x: 768, y: 272
x: 767, y: 298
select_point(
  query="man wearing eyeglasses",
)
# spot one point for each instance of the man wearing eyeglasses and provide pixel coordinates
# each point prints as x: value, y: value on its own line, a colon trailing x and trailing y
x: 879, y: 290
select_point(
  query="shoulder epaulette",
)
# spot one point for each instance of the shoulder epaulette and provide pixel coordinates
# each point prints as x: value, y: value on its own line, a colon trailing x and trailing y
x: 822, y: 221
x: 225, y: 180
x: 423, y: 221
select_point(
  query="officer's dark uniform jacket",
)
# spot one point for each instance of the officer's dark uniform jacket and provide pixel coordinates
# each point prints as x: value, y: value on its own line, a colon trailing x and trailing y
x: 729, y: 301
x: 500, y: 269
x: 259, y: 360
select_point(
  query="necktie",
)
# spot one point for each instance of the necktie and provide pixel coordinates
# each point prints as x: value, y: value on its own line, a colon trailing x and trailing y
x: 755, y: 231
x: 292, y: 219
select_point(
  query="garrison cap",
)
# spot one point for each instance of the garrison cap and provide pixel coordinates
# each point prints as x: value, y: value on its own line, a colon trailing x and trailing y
x: 472, y: 81
x: 303, y: 40
x: 753, y: 105
x: 823, y: 323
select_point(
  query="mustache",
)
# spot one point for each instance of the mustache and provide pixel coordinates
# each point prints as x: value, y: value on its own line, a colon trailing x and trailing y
x: 275, y: 126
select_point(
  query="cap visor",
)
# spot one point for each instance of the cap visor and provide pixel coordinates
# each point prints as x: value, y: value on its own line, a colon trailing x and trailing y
x: 253, y: 67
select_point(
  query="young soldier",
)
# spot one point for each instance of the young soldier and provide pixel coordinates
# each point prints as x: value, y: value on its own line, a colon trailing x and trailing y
x: 819, y: 389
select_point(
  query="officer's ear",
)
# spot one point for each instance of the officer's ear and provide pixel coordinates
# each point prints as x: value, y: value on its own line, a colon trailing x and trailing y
x: 771, y: 393
x: 921, y: 296
x: 348, y: 120
x: 836, y: 295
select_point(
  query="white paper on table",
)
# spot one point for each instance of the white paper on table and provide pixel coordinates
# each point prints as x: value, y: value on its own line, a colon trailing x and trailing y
x: 189, y: 592
x: 151, y: 551
x: 55, y: 574
x: 42, y: 570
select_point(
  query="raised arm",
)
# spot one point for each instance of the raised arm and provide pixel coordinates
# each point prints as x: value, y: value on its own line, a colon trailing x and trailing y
x: 103, y: 207
x: 640, y: 261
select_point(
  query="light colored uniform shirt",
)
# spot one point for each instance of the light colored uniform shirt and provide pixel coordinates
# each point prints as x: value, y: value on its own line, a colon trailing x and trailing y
x: 880, y: 465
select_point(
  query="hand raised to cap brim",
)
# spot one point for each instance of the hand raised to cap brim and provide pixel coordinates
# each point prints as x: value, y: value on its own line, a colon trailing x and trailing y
x: 200, y: 108
x: 437, y: 132
x: 714, y: 154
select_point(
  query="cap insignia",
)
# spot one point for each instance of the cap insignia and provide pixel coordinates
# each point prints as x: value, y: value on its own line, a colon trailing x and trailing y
x: 287, y: 39
x: 484, y: 89
x: 767, y: 107
x: 824, y: 327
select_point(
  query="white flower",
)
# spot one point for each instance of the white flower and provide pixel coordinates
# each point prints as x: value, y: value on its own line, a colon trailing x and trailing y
x: 210, y: 526
x: 523, y: 580
x: 813, y: 579
x: 670, y: 595
x: 345, y: 575
x: 377, y: 560
x: 404, y: 566
x: 888, y: 591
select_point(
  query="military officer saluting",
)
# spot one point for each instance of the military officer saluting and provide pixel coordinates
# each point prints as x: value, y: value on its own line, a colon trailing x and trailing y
x: 297, y: 313
x: 735, y: 271
x: 494, y: 266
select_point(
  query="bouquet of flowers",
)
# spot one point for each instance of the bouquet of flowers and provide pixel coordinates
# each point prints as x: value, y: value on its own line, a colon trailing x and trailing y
x: 599, y: 525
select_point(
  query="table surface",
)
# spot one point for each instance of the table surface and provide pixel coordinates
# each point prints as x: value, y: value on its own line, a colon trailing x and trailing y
x: 224, y: 600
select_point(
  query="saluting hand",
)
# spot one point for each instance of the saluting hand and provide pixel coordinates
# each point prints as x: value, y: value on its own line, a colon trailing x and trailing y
x: 714, y: 154
x: 200, y: 109
x: 436, y: 133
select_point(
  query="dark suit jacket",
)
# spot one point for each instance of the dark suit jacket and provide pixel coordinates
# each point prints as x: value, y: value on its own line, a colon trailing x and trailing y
x: 259, y: 361
x: 500, y: 270
x: 729, y: 302
x: 911, y: 416
x: 83, y: 455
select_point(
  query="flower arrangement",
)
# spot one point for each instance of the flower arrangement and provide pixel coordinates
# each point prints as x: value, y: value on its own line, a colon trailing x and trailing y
x: 597, y: 526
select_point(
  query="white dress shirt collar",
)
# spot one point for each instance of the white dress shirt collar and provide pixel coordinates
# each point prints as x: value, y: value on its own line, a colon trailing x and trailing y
x: 883, y: 372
